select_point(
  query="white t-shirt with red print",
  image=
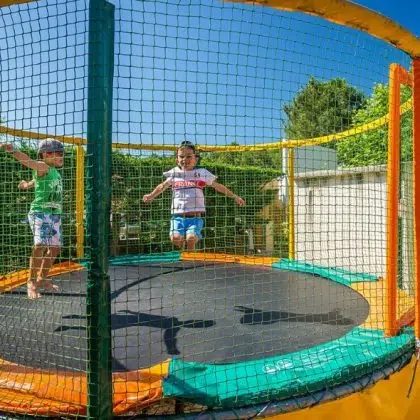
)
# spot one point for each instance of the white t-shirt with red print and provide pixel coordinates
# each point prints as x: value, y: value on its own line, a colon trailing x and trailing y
x: 187, y: 189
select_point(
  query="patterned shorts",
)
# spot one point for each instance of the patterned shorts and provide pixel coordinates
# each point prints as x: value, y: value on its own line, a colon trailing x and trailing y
x: 46, y: 228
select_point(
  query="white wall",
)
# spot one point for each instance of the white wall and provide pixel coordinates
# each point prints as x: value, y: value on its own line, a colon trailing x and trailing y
x: 307, y: 158
x: 312, y: 158
x: 340, y: 218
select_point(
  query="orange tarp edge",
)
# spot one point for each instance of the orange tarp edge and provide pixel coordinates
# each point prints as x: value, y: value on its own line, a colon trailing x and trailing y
x: 12, y: 280
x: 25, y: 390
x: 227, y: 258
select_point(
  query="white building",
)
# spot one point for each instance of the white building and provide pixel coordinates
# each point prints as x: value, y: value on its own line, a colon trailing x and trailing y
x: 340, y: 220
x: 307, y: 158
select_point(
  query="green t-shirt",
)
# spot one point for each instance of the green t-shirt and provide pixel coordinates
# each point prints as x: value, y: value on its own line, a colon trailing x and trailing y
x: 48, y: 192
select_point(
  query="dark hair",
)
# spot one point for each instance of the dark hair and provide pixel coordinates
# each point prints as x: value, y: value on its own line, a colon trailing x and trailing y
x: 186, y: 144
x: 50, y: 146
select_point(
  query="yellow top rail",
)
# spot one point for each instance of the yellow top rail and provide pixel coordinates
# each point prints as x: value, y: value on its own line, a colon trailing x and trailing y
x: 342, y: 12
x: 282, y: 144
x: 10, y: 2
x: 349, y: 14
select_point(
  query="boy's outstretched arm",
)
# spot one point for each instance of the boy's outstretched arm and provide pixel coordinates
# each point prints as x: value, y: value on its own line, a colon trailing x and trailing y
x: 147, y: 198
x: 41, y: 167
x: 226, y: 191
x: 26, y: 185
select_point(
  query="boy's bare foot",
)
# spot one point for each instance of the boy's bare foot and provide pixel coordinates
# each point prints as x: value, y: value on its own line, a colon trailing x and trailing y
x: 32, y: 290
x: 47, y: 285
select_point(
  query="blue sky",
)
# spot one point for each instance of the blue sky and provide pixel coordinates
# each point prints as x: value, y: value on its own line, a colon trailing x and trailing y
x: 204, y: 70
x: 405, y: 12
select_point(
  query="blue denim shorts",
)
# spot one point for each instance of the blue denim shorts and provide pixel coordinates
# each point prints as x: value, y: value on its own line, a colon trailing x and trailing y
x: 186, y: 226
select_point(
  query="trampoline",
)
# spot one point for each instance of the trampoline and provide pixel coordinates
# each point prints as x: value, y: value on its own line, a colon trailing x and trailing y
x: 198, y: 311
x: 214, y: 330
x: 318, y: 101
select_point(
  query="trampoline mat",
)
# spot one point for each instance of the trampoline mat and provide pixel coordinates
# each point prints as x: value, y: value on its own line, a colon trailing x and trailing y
x: 200, y: 311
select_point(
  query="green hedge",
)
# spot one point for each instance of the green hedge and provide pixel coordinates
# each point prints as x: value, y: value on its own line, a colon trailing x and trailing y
x: 132, y: 177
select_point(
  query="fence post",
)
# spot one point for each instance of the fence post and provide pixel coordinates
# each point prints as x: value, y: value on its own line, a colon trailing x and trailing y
x: 98, y: 194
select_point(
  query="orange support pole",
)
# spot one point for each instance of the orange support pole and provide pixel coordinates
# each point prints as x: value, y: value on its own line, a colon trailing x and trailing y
x: 416, y: 192
x: 393, y: 198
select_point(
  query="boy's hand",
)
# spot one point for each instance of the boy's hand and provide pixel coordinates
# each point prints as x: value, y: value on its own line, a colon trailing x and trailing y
x: 23, y: 185
x: 147, y: 198
x: 239, y: 201
x: 7, y: 147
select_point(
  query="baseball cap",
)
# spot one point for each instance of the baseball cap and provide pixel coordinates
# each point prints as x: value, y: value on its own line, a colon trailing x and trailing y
x: 50, y: 145
x: 187, y: 143
x: 190, y: 145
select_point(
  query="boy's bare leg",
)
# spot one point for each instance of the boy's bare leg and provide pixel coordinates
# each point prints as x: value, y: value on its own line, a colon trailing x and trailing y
x: 178, y: 241
x: 191, y: 242
x: 35, y: 263
x: 47, y: 263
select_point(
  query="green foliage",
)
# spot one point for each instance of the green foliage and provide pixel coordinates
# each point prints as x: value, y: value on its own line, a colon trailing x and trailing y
x: 260, y: 159
x: 322, y: 108
x: 371, y: 148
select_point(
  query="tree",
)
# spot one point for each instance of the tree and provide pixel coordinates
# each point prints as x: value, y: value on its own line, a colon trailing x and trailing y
x: 371, y: 148
x: 271, y: 159
x: 322, y: 108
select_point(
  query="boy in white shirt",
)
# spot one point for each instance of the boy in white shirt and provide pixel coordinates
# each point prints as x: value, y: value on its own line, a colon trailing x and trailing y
x: 188, y: 204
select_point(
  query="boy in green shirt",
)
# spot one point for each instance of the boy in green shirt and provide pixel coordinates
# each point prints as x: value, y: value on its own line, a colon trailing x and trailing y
x: 45, y: 212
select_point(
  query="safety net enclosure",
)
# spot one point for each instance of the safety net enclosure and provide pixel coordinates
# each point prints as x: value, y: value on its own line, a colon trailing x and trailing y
x: 207, y: 208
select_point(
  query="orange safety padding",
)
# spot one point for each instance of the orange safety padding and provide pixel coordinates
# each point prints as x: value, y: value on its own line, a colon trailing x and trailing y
x: 25, y: 390
x: 12, y: 280
x: 375, y: 294
x: 138, y: 389
x: 227, y: 258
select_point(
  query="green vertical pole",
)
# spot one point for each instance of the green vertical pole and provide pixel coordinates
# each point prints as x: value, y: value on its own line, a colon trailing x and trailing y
x: 99, y: 154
